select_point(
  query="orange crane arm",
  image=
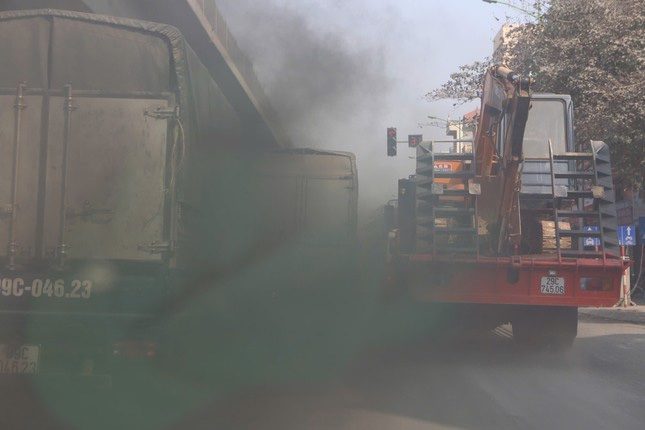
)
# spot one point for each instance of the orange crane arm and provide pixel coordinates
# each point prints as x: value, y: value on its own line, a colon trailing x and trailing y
x: 506, y: 98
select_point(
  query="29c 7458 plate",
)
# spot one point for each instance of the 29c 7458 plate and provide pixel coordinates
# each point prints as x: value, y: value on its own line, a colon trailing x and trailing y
x: 552, y: 285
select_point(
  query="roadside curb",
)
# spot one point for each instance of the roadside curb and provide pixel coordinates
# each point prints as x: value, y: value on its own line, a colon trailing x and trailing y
x: 634, y: 315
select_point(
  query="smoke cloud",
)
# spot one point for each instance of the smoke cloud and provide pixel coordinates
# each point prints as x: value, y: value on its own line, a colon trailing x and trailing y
x: 323, y: 69
x: 318, y: 80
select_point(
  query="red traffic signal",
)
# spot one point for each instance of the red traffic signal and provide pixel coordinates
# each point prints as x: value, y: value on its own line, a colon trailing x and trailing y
x: 391, y: 142
x: 415, y: 140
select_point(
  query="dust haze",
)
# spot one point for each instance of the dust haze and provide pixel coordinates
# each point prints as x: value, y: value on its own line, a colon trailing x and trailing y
x: 324, y: 69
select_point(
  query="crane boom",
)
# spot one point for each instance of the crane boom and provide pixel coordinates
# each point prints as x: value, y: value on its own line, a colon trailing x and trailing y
x: 506, y: 99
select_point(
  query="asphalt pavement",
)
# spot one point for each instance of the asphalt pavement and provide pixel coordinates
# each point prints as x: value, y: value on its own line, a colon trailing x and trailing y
x: 482, y: 382
x: 485, y: 383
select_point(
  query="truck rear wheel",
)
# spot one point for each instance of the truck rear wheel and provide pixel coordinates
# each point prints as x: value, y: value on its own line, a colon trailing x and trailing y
x: 549, y: 328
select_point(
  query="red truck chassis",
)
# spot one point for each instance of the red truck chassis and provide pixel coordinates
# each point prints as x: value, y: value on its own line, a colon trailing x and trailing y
x: 515, y: 280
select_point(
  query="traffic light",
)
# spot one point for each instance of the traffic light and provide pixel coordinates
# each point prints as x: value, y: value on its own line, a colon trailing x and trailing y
x: 391, y: 142
x: 415, y: 140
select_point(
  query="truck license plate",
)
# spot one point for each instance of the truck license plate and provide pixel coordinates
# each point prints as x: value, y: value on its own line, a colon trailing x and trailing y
x: 552, y: 285
x: 20, y: 360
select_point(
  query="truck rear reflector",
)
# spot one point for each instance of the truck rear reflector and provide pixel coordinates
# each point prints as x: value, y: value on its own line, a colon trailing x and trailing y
x: 595, y: 284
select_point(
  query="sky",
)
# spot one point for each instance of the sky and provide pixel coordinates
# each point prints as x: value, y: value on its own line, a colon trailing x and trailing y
x: 342, y: 71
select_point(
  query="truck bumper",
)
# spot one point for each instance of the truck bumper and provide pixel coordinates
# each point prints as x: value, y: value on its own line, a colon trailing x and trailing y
x: 512, y: 280
x: 72, y: 346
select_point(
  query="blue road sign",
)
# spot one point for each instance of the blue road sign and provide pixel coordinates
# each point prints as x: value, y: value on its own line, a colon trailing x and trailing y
x: 592, y: 241
x: 627, y: 235
x: 641, y: 229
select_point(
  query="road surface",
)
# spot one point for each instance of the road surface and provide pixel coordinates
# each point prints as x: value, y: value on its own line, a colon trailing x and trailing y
x: 487, y: 384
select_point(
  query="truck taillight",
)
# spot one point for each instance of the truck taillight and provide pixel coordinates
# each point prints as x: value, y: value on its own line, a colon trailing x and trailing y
x: 135, y: 349
x: 595, y: 284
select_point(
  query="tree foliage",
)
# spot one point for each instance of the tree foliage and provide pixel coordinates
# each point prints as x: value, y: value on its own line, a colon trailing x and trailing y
x: 592, y: 50
x: 464, y: 85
